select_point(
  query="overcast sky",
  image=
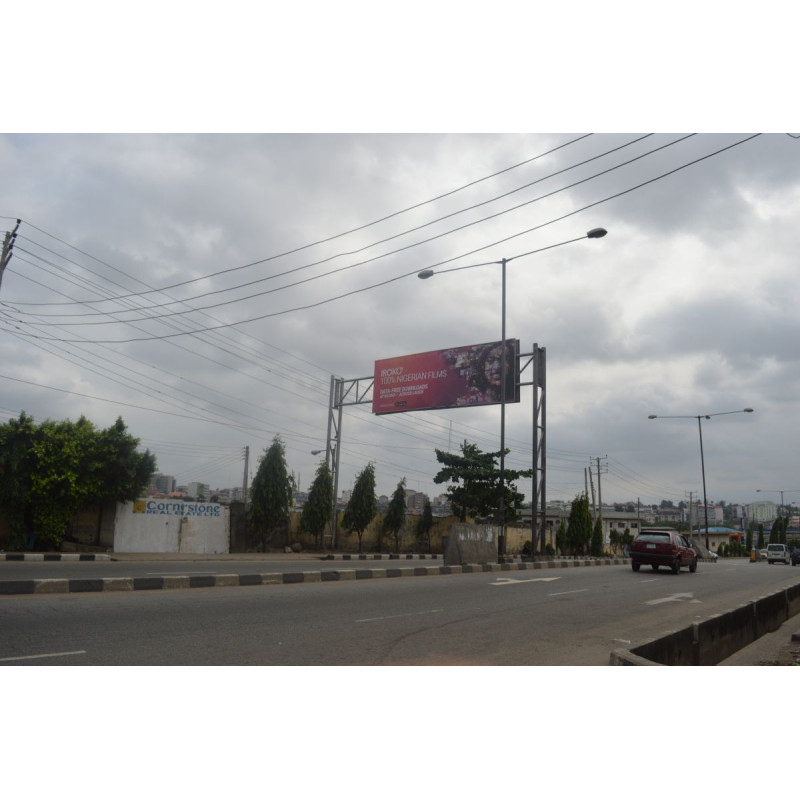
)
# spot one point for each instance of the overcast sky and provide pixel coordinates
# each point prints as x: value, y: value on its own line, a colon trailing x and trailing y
x: 206, y: 287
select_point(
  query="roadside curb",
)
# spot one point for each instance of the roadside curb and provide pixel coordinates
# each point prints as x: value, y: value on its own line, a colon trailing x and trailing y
x: 73, y: 585
x: 54, y: 557
x: 379, y: 556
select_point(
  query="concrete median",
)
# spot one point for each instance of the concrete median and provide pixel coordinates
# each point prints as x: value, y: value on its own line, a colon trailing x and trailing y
x: 177, y: 582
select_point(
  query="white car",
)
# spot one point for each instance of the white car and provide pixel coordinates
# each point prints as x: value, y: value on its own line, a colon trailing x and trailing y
x: 777, y: 552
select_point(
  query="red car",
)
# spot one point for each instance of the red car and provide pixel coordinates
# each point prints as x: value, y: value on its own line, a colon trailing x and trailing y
x: 662, y: 548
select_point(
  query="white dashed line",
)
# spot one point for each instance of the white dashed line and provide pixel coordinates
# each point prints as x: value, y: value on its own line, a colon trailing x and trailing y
x: 45, y: 655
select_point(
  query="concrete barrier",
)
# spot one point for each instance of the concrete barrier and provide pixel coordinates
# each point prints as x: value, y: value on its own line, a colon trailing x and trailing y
x: 723, y: 634
x: 713, y: 640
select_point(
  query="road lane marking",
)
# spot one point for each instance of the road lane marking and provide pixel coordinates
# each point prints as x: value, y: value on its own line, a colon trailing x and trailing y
x: 573, y: 591
x: 507, y: 581
x: 398, y: 616
x: 673, y: 598
x: 45, y: 655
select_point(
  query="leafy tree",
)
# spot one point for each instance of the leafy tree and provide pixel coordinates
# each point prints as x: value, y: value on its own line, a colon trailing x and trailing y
x: 271, y: 493
x: 396, y: 514
x: 579, y: 527
x: 596, y: 548
x: 363, y: 505
x: 317, y: 511
x: 51, y: 471
x: 477, y: 483
x: 424, y: 525
x: 760, y: 536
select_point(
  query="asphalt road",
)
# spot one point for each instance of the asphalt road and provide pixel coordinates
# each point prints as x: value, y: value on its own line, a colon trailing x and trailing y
x: 574, y: 616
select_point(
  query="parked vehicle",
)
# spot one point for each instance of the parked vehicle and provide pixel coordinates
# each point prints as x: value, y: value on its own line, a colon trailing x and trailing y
x: 662, y: 548
x: 762, y: 553
x: 795, y: 557
x: 777, y: 552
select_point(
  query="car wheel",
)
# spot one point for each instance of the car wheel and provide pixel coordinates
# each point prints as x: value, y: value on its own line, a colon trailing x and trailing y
x: 654, y: 567
x: 693, y: 566
x: 676, y: 567
x: 635, y: 566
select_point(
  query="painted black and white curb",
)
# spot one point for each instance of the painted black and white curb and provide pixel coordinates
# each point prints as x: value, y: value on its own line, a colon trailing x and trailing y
x: 55, y: 557
x: 71, y: 585
x: 379, y: 556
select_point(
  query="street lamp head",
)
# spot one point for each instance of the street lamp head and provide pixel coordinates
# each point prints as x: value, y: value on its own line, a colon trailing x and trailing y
x: 652, y: 416
x: 596, y: 233
x: 426, y: 273
x: 748, y: 410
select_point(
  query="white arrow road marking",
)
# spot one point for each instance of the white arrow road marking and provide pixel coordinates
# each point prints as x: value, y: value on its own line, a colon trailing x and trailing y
x: 673, y: 598
x: 507, y: 581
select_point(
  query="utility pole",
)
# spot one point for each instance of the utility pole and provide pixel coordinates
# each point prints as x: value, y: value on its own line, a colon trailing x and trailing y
x: 599, y: 492
x: 8, y: 247
x: 244, y: 477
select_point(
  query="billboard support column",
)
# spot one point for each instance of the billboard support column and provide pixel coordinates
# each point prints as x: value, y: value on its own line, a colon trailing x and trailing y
x: 501, y: 537
x: 539, y: 499
x: 332, y: 450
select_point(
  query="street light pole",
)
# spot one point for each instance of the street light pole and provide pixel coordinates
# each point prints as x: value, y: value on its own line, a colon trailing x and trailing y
x: 595, y: 233
x: 703, y: 469
x: 699, y: 418
x: 501, y: 534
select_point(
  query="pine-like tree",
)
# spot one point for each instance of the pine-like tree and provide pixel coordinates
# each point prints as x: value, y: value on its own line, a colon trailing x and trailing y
x: 271, y: 493
x: 363, y: 505
x: 424, y: 525
x: 597, y: 538
x: 396, y: 514
x: 579, y: 527
x: 316, y: 514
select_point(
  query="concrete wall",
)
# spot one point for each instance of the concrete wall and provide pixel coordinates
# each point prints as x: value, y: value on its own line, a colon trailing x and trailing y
x: 471, y: 544
x: 162, y: 526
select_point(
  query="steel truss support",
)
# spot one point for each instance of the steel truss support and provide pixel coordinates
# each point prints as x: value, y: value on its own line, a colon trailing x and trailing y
x: 344, y: 392
x: 537, y: 360
x: 358, y: 391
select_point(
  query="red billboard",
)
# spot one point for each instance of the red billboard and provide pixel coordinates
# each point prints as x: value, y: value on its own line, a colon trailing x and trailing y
x: 454, y: 378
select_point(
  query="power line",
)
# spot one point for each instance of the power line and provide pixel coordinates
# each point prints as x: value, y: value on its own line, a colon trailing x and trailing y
x: 330, y: 238
x: 388, y: 281
x: 339, y: 270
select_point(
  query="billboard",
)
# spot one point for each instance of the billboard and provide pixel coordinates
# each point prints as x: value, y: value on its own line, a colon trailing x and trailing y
x: 454, y: 378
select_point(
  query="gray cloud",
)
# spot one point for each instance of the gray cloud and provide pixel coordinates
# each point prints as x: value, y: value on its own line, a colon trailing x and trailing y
x: 686, y: 307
